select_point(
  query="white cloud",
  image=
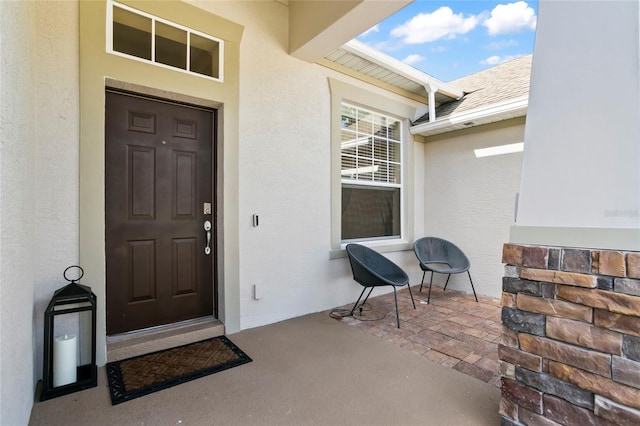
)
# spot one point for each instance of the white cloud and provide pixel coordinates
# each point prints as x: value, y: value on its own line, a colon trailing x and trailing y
x: 491, y: 60
x: 511, y: 18
x: 413, y: 59
x: 426, y: 27
x: 499, y: 45
x: 374, y: 29
x: 438, y: 49
x: 495, y: 59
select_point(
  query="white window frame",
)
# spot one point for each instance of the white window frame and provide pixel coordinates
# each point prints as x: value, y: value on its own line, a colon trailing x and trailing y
x: 342, y: 92
x: 373, y: 183
x: 154, y: 19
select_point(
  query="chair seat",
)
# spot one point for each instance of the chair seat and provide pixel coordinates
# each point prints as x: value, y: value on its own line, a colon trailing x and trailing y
x: 397, y: 280
x: 441, y: 256
x: 371, y: 269
x: 442, y: 268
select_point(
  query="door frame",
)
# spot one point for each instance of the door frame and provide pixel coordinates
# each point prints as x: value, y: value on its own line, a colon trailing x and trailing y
x: 98, y: 69
x: 189, y: 103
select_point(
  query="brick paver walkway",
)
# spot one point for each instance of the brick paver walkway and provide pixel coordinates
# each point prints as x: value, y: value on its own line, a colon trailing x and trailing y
x: 453, y: 330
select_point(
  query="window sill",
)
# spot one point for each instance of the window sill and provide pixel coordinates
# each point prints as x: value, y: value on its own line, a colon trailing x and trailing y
x: 381, y: 246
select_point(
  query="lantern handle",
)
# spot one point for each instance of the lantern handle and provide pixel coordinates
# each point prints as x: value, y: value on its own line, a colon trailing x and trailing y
x: 64, y: 274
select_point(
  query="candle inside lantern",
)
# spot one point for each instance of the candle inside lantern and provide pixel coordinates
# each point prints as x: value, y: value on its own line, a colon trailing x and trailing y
x: 64, y: 360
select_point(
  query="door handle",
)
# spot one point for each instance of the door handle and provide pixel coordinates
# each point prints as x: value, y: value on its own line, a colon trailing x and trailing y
x: 207, y: 227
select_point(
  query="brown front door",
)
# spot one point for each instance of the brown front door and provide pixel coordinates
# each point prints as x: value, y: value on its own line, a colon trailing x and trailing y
x: 158, y: 182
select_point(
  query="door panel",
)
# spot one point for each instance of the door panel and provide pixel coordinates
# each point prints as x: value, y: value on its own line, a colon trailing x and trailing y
x: 158, y: 175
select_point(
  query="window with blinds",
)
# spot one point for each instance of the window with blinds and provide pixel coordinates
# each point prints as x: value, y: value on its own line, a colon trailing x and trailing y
x: 371, y: 174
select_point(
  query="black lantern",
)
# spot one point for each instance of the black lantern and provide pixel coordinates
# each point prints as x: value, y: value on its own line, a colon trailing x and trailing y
x: 64, y: 353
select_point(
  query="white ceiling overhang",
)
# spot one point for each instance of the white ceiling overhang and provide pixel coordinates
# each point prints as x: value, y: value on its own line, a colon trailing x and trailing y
x: 318, y: 27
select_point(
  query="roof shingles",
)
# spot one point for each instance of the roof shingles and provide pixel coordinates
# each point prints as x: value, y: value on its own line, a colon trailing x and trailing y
x: 502, y: 82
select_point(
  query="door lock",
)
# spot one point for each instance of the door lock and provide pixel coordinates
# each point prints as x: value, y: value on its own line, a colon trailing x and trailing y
x: 207, y: 208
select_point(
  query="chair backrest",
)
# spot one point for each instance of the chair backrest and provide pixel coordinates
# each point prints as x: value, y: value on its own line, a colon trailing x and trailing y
x: 370, y: 268
x: 437, y: 250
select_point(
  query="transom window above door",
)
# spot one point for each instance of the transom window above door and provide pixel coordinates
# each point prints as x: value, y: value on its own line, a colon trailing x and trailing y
x: 141, y: 36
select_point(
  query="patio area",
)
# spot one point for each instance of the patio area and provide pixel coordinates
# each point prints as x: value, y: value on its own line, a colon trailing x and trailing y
x: 310, y: 370
x: 453, y: 330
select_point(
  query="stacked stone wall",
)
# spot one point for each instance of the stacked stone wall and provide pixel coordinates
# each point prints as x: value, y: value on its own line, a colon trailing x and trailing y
x: 570, y: 349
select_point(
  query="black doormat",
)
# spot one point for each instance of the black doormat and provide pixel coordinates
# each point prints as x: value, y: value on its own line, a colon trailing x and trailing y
x: 145, y: 374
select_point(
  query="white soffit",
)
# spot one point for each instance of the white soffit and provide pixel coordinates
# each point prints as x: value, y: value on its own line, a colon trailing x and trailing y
x: 364, y: 60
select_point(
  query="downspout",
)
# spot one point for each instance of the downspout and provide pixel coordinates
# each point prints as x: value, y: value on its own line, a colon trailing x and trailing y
x: 431, y: 91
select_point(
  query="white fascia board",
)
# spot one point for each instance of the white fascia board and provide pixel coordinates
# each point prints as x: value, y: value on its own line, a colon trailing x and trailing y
x: 498, y: 111
x: 362, y: 50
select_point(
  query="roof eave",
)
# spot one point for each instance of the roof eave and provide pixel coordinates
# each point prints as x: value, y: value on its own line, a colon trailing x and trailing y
x: 360, y: 49
x: 511, y: 108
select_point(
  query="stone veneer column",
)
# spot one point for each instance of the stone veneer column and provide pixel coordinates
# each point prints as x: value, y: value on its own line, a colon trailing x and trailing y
x: 570, y: 350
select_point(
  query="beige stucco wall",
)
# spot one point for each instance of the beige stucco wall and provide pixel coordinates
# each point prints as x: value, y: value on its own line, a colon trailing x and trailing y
x: 56, y: 173
x: 17, y: 152
x: 580, y: 175
x: 471, y: 201
x: 285, y: 173
x: 38, y: 184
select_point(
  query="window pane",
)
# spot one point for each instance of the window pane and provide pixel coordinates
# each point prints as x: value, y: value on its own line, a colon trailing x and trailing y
x: 380, y: 149
x: 394, y: 130
x: 349, y: 165
x: 131, y: 33
x: 205, y: 56
x: 171, y: 46
x: 365, y: 123
x: 395, y: 175
x: 394, y: 152
x: 365, y: 148
x: 349, y: 142
x: 380, y: 126
x: 381, y: 169
x: 369, y: 212
x: 348, y: 119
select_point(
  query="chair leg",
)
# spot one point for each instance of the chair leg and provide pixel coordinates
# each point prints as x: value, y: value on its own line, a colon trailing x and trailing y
x: 360, y: 297
x: 447, y: 283
x: 367, y: 298
x: 395, y: 296
x: 472, y: 288
x: 411, y: 294
x: 422, y: 283
x: 430, y: 283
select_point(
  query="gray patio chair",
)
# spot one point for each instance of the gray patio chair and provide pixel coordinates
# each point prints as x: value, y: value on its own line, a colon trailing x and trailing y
x: 371, y: 269
x: 443, y: 257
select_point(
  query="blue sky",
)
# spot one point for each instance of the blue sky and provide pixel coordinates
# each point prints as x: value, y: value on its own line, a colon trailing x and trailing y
x: 451, y: 39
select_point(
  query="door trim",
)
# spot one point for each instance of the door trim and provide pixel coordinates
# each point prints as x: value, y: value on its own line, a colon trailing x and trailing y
x: 215, y: 108
x: 187, y: 102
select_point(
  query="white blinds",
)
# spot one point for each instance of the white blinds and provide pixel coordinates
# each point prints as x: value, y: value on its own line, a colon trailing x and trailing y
x: 371, y: 147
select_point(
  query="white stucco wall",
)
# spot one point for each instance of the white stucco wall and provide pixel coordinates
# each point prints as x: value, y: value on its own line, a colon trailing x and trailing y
x: 580, y: 166
x: 470, y: 201
x: 55, y: 215
x: 285, y: 164
x: 17, y: 263
x: 38, y: 184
